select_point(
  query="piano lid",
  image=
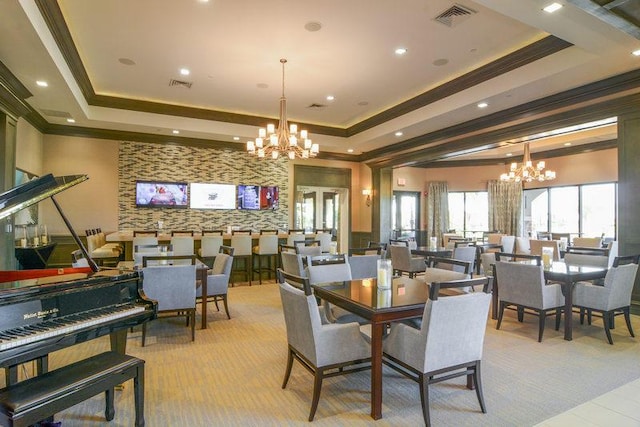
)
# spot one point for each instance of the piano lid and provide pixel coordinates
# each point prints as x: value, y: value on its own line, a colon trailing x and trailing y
x: 34, y: 191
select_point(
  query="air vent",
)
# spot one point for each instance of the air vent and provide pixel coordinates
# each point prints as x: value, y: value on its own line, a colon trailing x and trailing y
x: 454, y: 15
x: 314, y: 105
x: 181, y: 83
x: 56, y: 113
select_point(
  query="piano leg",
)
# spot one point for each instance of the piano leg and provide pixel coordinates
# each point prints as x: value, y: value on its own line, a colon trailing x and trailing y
x: 119, y: 341
x: 11, y: 373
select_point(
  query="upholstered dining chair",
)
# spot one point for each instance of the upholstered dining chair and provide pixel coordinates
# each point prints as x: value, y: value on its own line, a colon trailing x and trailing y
x: 363, y: 266
x: 449, y: 343
x: 612, y: 299
x: 587, y: 242
x: 174, y: 287
x: 537, y: 245
x: 292, y: 263
x: 218, y: 282
x: 523, y: 286
x: 404, y: 262
x: 324, y: 350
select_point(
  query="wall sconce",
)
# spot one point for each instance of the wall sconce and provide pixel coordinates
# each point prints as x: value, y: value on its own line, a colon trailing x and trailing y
x: 367, y: 192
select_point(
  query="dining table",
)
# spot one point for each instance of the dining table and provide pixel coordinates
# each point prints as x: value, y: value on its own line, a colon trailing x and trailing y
x: 405, y: 299
x: 567, y: 276
x: 430, y: 251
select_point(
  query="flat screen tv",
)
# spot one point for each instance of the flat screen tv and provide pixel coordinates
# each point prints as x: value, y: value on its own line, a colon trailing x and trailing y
x: 158, y: 194
x: 249, y: 197
x: 269, y: 197
x: 212, y: 196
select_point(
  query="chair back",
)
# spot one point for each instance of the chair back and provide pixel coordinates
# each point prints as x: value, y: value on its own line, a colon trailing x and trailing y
x: 453, y: 331
x: 537, y: 245
x: 181, y: 233
x: 292, y: 263
x: 325, y: 241
x: 241, y: 232
x: 522, y: 245
x: 308, y: 250
x: 182, y: 245
x: 586, y: 260
x: 508, y: 243
x: 495, y: 238
x: 218, y: 278
x: 173, y: 286
x: 143, y: 233
x: 210, y: 246
x: 503, y: 256
x: 295, y: 237
x: 302, y: 320
x: 227, y: 250
x: 627, y: 259
x: 521, y: 283
x: 487, y: 260
x: 212, y: 232
x: 587, y: 242
x: 373, y: 250
x: 162, y: 259
x: 299, y: 282
x: 620, y: 280
x: 241, y: 243
x: 363, y: 266
x: 329, y: 272
x: 267, y: 244
x: 400, y: 256
x: 465, y: 253
x: 269, y: 232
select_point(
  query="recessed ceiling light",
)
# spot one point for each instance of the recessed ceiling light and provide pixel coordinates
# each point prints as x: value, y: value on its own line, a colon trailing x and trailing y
x: 509, y: 154
x: 552, y: 7
x: 440, y: 62
x: 350, y: 150
x: 42, y: 83
x: 399, y: 133
x: 567, y: 144
x: 126, y: 61
x: 71, y: 120
x: 636, y: 52
x: 401, y: 51
x: 330, y: 97
x: 313, y: 26
x: 176, y: 131
x: 482, y: 105
x: 185, y: 71
x: 236, y: 138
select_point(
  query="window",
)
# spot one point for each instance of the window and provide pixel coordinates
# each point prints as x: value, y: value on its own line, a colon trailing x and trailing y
x: 469, y: 213
x: 564, y: 213
x: 598, y: 212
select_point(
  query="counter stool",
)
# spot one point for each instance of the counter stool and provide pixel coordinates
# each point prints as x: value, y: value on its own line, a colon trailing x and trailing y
x: 267, y: 249
x: 241, y: 243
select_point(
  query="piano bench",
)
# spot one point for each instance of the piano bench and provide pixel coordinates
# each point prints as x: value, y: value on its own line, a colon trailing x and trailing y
x: 35, y: 399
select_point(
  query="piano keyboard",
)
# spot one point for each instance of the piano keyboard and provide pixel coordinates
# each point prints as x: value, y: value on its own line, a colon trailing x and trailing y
x: 63, y: 325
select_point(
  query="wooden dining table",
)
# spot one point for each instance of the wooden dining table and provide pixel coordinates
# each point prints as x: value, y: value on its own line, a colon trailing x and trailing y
x: 567, y: 276
x: 404, y: 300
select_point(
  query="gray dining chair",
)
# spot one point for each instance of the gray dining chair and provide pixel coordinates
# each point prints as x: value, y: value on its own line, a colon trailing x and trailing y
x: 404, y: 262
x: 292, y: 263
x: 363, y: 266
x: 324, y: 350
x: 612, y: 299
x: 523, y: 286
x: 218, y: 282
x: 448, y: 345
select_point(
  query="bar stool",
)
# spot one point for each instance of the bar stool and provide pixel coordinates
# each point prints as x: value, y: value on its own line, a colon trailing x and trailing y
x: 182, y: 245
x: 267, y: 248
x: 241, y: 243
x: 209, y: 248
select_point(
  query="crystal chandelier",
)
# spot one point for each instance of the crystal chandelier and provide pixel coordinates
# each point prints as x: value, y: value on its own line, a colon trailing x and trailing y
x: 527, y: 172
x: 285, y: 140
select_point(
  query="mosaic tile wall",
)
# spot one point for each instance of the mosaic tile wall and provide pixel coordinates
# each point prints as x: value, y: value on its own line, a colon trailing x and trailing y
x: 145, y: 161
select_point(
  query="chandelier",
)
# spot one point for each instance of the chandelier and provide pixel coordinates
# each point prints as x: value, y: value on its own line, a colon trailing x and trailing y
x: 285, y: 140
x: 526, y: 172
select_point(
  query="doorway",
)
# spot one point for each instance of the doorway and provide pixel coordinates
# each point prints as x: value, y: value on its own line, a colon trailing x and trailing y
x: 405, y: 214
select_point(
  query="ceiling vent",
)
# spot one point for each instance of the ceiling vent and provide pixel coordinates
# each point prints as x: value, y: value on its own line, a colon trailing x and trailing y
x: 314, y: 105
x: 56, y: 113
x: 181, y: 83
x: 454, y: 15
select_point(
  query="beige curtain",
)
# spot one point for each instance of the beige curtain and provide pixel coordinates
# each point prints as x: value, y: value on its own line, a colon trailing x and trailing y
x: 437, y: 209
x: 505, y: 207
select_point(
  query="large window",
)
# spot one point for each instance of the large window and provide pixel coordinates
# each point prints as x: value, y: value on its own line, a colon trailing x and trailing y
x: 582, y: 210
x: 469, y: 212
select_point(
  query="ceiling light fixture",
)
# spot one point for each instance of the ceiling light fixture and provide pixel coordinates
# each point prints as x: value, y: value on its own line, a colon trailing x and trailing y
x: 398, y: 133
x: 330, y: 97
x: 42, y: 83
x: 272, y: 142
x: 552, y: 7
x: 526, y: 172
x: 184, y: 71
x: 636, y: 52
x: 401, y: 51
x: 175, y: 131
x: 71, y: 120
x: 482, y: 105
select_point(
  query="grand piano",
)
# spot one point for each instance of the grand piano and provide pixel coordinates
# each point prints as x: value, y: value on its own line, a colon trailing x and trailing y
x: 42, y: 311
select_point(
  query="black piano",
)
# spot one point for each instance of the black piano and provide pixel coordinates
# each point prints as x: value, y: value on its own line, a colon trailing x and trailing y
x: 42, y: 311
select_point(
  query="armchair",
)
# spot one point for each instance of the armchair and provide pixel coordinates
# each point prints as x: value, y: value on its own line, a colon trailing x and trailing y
x: 448, y: 345
x: 218, y: 282
x: 404, y: 262
x: 363, y: 266
x: 324, y: 350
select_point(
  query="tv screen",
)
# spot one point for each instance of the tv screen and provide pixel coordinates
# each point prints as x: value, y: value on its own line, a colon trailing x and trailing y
x: 161, y: 194
x: 212, y: 196
x: 269, y: 197
x: 249, y: 197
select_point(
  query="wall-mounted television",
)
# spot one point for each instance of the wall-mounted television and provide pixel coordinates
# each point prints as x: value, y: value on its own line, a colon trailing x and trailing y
x: 153, y: 194
x: 249, y: 197
x: 212, y: 196
x: 269, y: 197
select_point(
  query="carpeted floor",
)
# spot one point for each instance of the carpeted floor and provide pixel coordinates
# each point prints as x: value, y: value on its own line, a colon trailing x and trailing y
x: 231, y: 375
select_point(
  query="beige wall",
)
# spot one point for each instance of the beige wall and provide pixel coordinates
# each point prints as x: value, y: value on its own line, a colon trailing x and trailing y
x: 29, y: 145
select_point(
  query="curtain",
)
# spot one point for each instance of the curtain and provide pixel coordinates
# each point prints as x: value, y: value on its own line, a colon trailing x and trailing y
x: 437, y: 209
x: 505, y: 207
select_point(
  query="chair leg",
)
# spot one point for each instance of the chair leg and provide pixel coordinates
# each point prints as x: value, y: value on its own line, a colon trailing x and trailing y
x: 317, y: 387
x: 627, y: 319
x: 478, y: 382
x: 558, y: 312
x: 520, y: 314
x: 192, y: 314
x: 606, y: 319
x: 423, y: 383
x: 542, y: 315
x: 144, y: 332
x: 226, y: 306
x: 500, y: 314
x: 287, y: 372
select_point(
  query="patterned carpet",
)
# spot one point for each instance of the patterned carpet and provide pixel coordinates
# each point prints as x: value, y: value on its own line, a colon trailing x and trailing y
x: 231, y: 375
